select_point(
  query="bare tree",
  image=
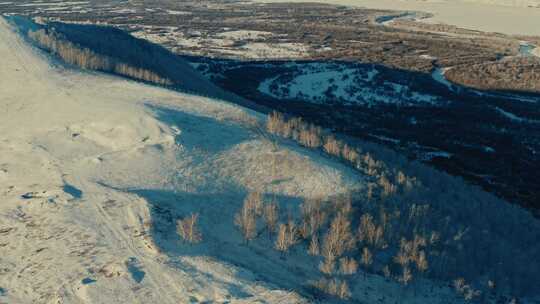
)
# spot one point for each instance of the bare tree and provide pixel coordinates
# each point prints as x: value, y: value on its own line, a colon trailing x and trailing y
x: 314, y: 247
x: 348, y: 266
x: 343, y: 291
x: 366, y: 260
x: 389, y: 188
x: 313, y: 217
x: 350, y: 154
x: 286, y: 237
x: 275, y: 122
x: 188, y: 230
x: 254, y: 202
x: 271, y: 216
x: 370, y: 191
x: 310, y: 136
x: 421, y: 262
x: 328, y: 265
x: 246, y: 220
x: 369, y: 232
x: 337, y: 241
x: 332, y: 146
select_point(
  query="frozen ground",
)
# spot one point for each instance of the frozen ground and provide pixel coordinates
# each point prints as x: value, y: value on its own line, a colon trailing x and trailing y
x: 94, y: 171
x: 504, y: 16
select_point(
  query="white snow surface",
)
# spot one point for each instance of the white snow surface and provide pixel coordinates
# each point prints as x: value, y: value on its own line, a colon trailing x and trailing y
x: 87, y: 159
x: 315, y: 82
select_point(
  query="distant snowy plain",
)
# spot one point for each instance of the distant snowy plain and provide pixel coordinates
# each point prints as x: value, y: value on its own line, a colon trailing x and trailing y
x: 503, y: 16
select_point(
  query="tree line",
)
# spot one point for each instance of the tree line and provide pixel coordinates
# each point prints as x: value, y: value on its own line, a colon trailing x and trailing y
x: 90, y: 60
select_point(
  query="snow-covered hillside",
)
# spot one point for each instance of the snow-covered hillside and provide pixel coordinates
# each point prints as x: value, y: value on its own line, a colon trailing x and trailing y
x: 85, y: 161
x: 95, y: 171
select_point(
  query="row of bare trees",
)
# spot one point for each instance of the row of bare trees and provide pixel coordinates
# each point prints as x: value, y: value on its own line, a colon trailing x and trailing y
x: 311, y: 136
x: 87, y: 59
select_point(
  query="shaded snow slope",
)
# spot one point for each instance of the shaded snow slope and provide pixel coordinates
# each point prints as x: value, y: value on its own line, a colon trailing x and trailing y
x: 87, y: 159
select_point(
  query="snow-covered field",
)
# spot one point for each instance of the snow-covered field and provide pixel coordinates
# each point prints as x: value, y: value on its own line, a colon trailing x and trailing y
x: 321, y: 83
x: 240, y: 43
x: 504, y: 16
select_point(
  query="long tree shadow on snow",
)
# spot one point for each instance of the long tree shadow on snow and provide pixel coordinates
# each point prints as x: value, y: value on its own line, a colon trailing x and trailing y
x: 221, y: 240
